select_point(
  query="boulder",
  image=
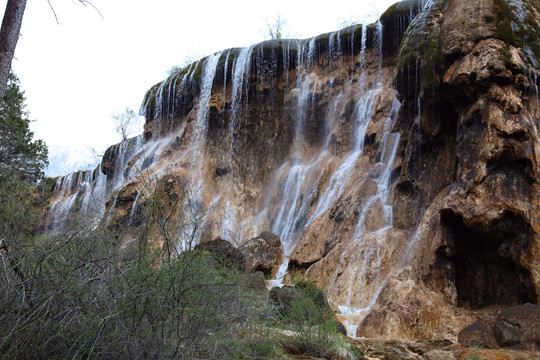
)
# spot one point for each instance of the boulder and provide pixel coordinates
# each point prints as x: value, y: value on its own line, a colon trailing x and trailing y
x: 256, y: 281
x: 224, y: 253
x: 478, y: 334
x: 263, y: 253
x: 282, y: 299
x: 519, y: 326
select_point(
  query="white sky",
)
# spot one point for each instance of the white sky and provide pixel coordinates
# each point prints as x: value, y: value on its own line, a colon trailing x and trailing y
x: 78, y: 73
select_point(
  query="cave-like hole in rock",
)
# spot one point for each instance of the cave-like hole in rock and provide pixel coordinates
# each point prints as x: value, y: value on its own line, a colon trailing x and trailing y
x: 484, y: 271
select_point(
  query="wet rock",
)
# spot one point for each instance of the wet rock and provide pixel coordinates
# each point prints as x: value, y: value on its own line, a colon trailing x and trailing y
x: 387, y: 350
x: 282, y: 298
x: 263, y: 253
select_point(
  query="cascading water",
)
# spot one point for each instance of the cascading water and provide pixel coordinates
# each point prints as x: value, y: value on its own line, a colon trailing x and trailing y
x: 295, y: 179
x: 87, y: 191
x: 293, y: 191
x: 189, y: 233
x: 368, y: 254
x: 240, y: 80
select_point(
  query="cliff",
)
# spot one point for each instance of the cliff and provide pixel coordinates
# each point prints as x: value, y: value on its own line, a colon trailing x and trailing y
x: 397, y: 162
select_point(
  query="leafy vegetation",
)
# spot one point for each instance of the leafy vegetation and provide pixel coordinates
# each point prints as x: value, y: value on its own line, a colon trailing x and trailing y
x: 22, y: 161
x: 276, y: 27
x: 21, y: 157
x: 78, y: 295
x: 304, y: 312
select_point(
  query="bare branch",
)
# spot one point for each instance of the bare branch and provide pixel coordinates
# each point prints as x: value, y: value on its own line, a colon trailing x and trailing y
x: 83, y: 2
x: 53, y: 11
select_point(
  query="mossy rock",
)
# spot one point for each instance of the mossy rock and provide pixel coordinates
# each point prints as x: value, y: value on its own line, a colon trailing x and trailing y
x: 421, y: 48
x: 517, y: 26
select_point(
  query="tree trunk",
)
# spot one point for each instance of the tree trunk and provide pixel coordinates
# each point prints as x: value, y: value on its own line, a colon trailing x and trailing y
x: 9, y: 34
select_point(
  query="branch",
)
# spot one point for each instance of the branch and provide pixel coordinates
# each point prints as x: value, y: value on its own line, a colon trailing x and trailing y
x: 84, y: 2
x: 54, y: 12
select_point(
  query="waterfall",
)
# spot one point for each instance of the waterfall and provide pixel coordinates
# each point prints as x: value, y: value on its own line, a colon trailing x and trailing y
x: 86, y: 192
x: 290, y: 197
x: 295, y: 178
x: 190, y: 232
x: 329, y: 101
x: 240, y: 82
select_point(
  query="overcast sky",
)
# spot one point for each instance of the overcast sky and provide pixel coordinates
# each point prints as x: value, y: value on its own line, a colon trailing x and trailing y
x: 79, y: 72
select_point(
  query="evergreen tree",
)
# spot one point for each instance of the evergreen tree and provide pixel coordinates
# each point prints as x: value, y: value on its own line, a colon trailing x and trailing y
x: 21, y: 157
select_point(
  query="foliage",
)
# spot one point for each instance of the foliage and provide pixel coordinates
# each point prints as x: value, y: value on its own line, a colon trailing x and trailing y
x: 17, y: 213
x: 125, y: 123
x: 309, y: 317
x: 475, y: 354
x: 78, y: 295
x: 21, y: 157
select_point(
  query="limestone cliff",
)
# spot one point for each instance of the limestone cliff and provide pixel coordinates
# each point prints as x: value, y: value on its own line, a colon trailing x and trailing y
x: 397, y: 162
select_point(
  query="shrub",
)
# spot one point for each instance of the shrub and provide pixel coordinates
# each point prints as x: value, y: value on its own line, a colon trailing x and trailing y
x: 77, y: 295
x: 304, y: 311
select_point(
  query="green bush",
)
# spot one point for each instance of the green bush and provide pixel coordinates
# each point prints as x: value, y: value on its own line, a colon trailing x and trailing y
x: 78, y: 295
x: 304, y: 311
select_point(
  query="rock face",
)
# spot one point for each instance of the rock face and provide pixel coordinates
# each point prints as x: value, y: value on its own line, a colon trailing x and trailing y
x: 396, y: 162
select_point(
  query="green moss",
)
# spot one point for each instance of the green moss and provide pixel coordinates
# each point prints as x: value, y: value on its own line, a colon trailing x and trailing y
x: 351, y: 30
x: 422, y: 47
x: 390, y: 12
x: 197, y: 72
x: 433, y: 60
x: 323, y: 38
x: 149, y: 102
x: 229, y: 57
x: 402, y: 7
x: 504, y: 16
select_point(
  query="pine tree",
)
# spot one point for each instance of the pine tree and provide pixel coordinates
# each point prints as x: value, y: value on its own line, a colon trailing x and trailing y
x: 21, y: 157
